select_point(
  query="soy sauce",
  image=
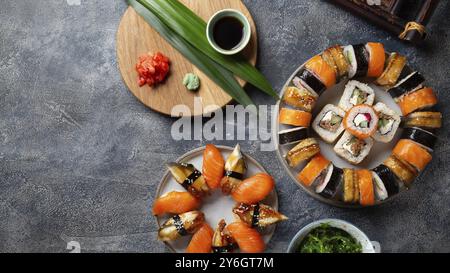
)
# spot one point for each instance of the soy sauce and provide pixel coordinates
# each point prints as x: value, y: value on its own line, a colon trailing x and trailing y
x: 228, y: 32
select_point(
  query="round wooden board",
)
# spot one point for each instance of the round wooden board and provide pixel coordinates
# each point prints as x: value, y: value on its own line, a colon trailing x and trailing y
x: 136, y: 37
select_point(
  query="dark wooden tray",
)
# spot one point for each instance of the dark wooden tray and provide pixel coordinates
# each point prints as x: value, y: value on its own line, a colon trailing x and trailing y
x: 405, y: 18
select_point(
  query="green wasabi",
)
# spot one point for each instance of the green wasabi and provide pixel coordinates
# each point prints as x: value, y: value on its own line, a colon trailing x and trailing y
x: 191, y: 81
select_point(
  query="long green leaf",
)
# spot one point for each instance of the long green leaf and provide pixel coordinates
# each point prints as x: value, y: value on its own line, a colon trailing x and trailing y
x: 214, y: 71
x: 193, y: 29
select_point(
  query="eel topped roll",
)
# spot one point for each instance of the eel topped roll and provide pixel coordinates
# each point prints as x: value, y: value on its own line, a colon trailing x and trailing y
x: 304, y: 150
x: 361, y: 121
x: 300, y: 98
x: 335, y: 58
x: 388, y: 123
x: 430, y: 121
x: 396, y: 63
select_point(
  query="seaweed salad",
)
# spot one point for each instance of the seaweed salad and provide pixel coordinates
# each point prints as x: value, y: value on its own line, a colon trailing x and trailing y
x: 328, y: 239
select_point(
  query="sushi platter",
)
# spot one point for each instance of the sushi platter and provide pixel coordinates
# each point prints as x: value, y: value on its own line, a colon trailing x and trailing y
x: 219, y: 211
x: 356, y: 125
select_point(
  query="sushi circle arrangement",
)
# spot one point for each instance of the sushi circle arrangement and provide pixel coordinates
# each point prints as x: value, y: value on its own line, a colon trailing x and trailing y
x: 206, y: 204
x: 356, y: 125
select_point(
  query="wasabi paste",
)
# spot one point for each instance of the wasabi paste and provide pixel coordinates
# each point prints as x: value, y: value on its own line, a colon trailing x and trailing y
x: 191, y: 81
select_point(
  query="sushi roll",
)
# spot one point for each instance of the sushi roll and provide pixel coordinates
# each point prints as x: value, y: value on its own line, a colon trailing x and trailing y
x: 309, y: 81
x: 377, y: 58
x: 300, y: 98
x: 235, y: 168
x: 417, y: 100
x: 424, y: 120
x: 388, y: 123
x: 410, y: 83
x: 402, y: 170
x: 319, y: 168
x: 325, y: 73
x: 222, y: 241
x: 350, y: 186
x: 412, y: 153
x: 335, y: 57
x: 358, y: 58
x: 190, y: 178
x: 356, y: 93
x: 424, y: 138
x: 291, y: 136
x: 258, y: 215
x: 361, y: 121
x: 306, y: 149
x: 366, y: 188
x: 181, y: 225
x: 353, y: 149
x: 328, y: 187
x: 328, y: 123
x: 390, y: 187
x: 395, y: 65
x: 295, y: 117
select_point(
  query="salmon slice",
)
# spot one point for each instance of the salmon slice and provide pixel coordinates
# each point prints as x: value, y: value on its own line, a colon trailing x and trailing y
x: 366, y: 191
x: 248, y: 239
x: 419, y: 99
x: 322, y: 70
x: 412, y: 153
x: 213, y: 166
x: 313, y: 169
x: 254, y: 189
x: 377, y: 58
x: 295, y: 117
x: 175, y: 203
x: 201, y: 242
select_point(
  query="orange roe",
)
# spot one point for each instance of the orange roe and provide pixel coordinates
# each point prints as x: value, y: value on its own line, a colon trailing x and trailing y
x: 152, y: 69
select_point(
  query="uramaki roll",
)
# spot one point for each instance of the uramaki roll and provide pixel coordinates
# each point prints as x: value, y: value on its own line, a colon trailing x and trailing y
x: 361, y: 121
x: 417, y: 100
x: 366, y: 191
x: 412, y: 153
x: 377, y: 58
x: 313, y: 169
x: 295, y: 117
x: 322, y: 70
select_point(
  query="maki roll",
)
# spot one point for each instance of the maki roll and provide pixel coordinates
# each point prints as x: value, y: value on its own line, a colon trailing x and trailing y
x: 308, y: 80
x: 258, y: 215
x: 351, y: 186
x: 328, y: 188
x: 410, y: 83
x: 402, y: 170
x: 361, y: 121
x: 292, y: 136
x: 353, y: 149
x: 358, y: 58
x: 395, y: 65
x: 295, y: 117
x: 384, y: 175
x: 181, y: 225
x: 377, y: 58
x: 300, y: 98
x: 388, y: 123
x: 235, y: 168
x: 412, y: 153
x: 318, y: 169
x: 417, y: 100
x: 356, y: 93
x: 424, y: 120
x: 190, y: 178
x: 306, y: 149
x: 328, y: 123
x: 424, y: 138
x: 325, y: 73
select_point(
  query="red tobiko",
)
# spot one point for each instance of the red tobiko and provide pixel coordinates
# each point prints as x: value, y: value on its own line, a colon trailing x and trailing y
x: 152, y: 69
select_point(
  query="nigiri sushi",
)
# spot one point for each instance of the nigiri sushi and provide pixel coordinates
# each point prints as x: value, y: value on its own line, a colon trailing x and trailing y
x: 213, y: 166
x: 235, y: 168
x: 222, y: 242
x: 201, y: 242
x: 253, y: 189
x: 248, y: 239
x: 190, y: 178
x: 258, y: 215
x: 175, y: 202
x: 181, y: 225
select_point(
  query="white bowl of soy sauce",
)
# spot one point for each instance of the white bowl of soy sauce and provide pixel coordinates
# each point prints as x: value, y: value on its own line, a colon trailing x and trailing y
x: 228, y: 31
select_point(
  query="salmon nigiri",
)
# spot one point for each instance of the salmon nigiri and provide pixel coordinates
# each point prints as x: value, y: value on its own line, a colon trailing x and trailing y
x: 253, y: 189
x: 175, y: 202
x: 213, y: 166
x: 201, y: 242
x: 248, y: 239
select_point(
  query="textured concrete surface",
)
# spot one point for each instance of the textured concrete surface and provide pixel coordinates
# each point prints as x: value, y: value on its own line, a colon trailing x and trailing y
x: 80, y: 157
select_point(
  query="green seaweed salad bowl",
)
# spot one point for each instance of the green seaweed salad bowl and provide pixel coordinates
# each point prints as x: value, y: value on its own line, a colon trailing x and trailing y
x: 332, y: 236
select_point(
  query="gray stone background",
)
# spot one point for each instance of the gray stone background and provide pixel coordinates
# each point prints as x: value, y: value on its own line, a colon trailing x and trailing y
x: 80, y: 157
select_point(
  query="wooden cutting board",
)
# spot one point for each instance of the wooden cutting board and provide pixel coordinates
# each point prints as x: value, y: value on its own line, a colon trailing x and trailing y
x: 135, y: 38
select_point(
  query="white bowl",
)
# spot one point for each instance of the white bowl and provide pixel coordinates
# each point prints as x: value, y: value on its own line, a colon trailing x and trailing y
x: 367, y: 245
